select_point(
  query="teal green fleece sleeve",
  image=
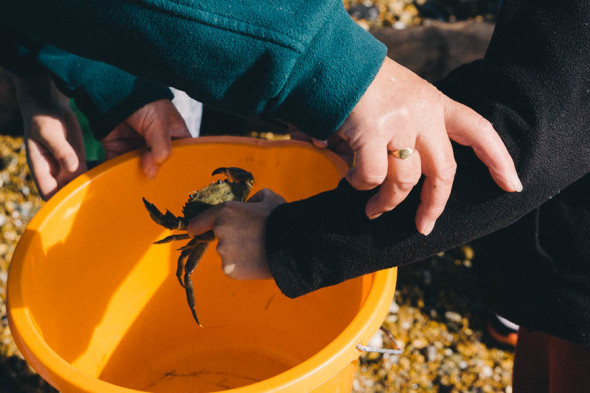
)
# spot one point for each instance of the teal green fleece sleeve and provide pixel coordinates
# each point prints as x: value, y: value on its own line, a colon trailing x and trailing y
x: 106, y: 94
x: 303, y: 61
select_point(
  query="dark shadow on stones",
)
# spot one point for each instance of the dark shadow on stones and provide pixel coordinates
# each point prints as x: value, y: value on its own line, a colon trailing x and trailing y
x: 433, y: 51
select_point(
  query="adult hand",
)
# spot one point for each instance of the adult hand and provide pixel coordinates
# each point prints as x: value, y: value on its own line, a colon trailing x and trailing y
x: 53, y: 138
x: 239, y: 228
x: 152, y: 126
x: 401, y: 110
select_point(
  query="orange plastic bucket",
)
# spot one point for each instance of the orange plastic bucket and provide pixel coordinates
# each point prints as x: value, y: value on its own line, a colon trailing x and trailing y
x: 95, y: 307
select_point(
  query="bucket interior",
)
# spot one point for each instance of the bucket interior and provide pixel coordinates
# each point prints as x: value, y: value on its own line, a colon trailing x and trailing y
x: 107, y: 301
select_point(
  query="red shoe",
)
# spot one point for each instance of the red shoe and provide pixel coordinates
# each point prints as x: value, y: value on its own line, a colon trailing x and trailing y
x: 502, y: 330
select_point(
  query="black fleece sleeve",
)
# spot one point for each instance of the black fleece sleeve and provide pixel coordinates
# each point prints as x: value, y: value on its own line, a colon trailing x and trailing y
x: 533, y: 85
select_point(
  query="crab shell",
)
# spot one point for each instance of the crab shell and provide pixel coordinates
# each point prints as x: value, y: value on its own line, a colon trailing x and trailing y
x: 236, y: 187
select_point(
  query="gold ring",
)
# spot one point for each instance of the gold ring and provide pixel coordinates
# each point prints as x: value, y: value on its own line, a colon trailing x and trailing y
x: 404, y: 153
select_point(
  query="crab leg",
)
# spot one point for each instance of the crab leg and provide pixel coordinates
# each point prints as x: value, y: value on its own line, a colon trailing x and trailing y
x: 181, y: 260
x: 170, y: 238
x: 193, y: 259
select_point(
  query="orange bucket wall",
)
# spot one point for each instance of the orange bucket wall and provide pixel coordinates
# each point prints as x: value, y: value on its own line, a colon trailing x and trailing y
x: 94, y: 306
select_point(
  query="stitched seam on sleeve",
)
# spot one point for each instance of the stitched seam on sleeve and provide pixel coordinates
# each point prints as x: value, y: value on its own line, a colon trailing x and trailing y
x: 223, y: 22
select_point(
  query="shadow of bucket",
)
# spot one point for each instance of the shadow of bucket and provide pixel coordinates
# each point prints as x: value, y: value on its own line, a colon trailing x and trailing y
x: 94, y: 306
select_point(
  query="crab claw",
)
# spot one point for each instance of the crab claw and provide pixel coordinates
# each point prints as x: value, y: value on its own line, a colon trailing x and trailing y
x: 235, y: 174
x: 168, y: 220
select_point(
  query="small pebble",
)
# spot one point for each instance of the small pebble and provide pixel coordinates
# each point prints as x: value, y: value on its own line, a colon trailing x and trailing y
x: 432, y: 354
x: 376, y: 341
x: 419, y: 343
x: 393, y: 308
x: 486, y: 372
x: 452, y: 316
x: 399, y: 25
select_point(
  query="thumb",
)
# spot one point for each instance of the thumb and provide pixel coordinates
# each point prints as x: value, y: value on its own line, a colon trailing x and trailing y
x: 204, y: 222
x: 266, y: 195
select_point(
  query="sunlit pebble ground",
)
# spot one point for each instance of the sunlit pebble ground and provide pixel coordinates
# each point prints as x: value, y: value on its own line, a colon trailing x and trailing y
x: 439, y: 322
x: 400, y: 14
x: 436, y: 317
x: 19, y: 201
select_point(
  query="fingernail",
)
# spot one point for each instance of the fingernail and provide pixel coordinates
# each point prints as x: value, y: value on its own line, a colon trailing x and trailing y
x: 370, y: 210
x: 374, y: 216
x: 151, y: 172
x: 517, y: 184
x: 428, y: 228
x: 228, y: 269
x: 320, y: 143
x: 71, y: 164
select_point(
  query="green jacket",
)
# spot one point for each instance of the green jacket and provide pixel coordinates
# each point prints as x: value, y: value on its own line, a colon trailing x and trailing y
x: 302, y: 61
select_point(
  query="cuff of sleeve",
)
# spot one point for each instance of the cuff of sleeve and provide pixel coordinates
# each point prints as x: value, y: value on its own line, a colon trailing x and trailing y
x: 302, y: 253
x: 330, y: 77
x: 281, y: 261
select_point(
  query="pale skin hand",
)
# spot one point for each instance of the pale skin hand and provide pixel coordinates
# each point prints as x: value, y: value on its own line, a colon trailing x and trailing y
x: 239, y: 228
x: 152, y: 126
x: 54, y: 141
x: 399, y: 110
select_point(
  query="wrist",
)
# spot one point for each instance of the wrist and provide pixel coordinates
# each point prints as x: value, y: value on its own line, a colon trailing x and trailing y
x: 330, y: 77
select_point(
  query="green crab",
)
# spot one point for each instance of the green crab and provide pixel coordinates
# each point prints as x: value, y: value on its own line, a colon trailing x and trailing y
x: 235, y: 187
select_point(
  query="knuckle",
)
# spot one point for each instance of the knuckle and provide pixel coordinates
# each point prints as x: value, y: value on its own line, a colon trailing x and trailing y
x: 226, y: 211
x: 447, y: 173
x: 222, y: 251
x: 61, y: 152
x: 265, y: 193
x: 228, y: 206
x: 405, y: 186
x: 367, y: 181
x: 161, y: 153
x: 485, y: 125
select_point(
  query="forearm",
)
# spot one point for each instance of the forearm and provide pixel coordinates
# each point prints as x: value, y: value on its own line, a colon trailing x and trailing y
x: 106, y: 94
x: 305, y: 62
x: 533, y: 85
